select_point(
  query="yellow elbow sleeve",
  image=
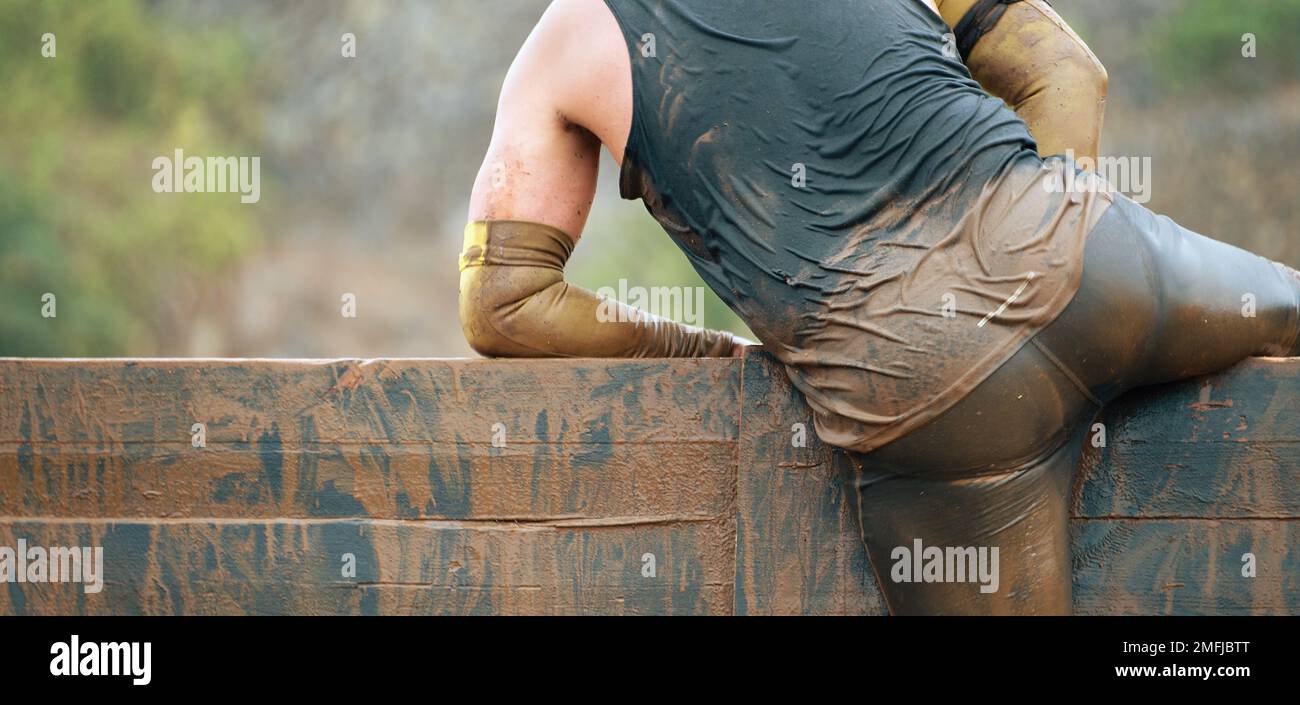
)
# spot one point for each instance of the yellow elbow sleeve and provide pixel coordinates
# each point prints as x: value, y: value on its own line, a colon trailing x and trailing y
x: 514, y: 302
x: 1024, y: 53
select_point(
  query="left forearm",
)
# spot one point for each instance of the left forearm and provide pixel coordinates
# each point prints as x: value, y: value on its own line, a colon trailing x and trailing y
x: 514, y: 302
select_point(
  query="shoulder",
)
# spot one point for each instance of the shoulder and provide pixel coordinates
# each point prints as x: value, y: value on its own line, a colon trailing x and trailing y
x: 572, y: 33
x: 577, y: 58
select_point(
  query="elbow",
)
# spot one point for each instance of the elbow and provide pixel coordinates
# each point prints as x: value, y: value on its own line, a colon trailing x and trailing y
x: 1089, y: 96
x: 1084, y: 69
x: 1077, y: 87
x: 1092, y: 77
x: 479, y: 336
x: 478, y: 309
x: 498, y: 311
x: 1077, y: 84
x: 1077, y: 60
x: 511, y: 285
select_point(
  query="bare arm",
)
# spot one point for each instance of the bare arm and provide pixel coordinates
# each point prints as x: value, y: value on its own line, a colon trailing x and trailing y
x: 529, y: 205
x: 540, y: 166
x: 1031, y: 59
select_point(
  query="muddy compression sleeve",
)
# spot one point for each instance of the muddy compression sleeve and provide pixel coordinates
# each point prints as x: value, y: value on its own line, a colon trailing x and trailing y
x: 1023, y: 52
x: 514, y: 302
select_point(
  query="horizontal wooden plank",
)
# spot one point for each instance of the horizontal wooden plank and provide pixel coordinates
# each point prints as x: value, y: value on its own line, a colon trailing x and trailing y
x: 443, y: 481
x: 1223, y: 446
x: 296, y: 567
x: 286, y: 402
x: 383, y: 439
x: 1188, y: 566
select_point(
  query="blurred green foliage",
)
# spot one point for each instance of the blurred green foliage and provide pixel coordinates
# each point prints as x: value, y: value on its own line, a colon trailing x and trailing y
x: 131, y: 81
x: 1199, y: 48
x: 632, y: 246
x: 78, y: 216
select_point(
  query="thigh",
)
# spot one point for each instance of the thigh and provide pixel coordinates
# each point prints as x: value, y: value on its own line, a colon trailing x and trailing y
x: 990, y: 545
x: 1159, y: 303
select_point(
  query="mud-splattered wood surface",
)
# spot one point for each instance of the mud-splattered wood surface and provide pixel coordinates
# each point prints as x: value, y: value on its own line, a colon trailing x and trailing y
x: 798, y: 549
x: 1186, y: 566
x: 1224, y: 446
x: 401, y: 567
x: 455, y: 486
x: 387, y: 439
x: 575, y: 487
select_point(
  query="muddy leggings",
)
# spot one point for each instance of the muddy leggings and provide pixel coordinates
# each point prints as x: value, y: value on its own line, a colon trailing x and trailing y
x: 1157, y: 303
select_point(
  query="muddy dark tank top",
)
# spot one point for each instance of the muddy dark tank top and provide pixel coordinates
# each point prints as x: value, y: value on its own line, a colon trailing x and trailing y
x: 833, y: 172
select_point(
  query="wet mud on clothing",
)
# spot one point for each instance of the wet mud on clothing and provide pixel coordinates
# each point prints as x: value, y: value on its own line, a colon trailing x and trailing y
x: 1157, y: 303
x: 836, y: 176
x: 954, y: 317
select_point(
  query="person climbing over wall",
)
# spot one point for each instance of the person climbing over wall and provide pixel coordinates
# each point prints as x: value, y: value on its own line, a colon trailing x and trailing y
x: 877, y: 188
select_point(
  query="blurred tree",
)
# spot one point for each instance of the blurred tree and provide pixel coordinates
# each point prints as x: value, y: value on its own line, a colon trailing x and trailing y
x: 78, y: 216
x: 372, y: 159
x: 1200, y: 46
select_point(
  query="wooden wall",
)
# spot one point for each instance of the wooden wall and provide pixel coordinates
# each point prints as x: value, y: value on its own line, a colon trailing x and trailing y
x: 575, y: 487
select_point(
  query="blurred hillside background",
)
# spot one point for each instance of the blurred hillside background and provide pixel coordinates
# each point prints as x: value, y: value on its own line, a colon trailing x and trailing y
x: 366, y: 163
